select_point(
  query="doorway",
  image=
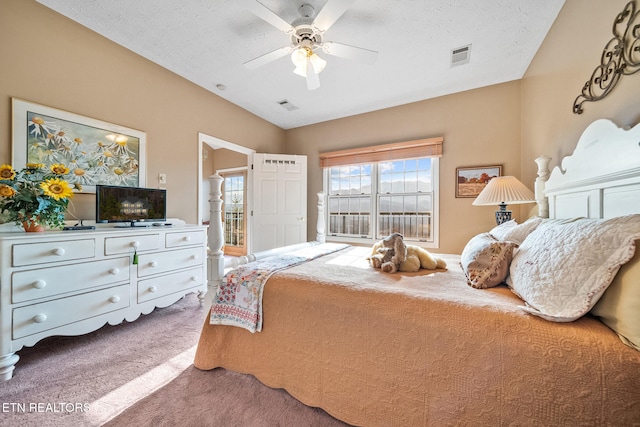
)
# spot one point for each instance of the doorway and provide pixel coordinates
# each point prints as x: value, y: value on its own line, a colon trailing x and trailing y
x: 275, y: 191
x: 205, y: 145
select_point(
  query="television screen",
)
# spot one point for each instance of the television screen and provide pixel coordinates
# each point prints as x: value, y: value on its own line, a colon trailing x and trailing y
x: 130, y: 204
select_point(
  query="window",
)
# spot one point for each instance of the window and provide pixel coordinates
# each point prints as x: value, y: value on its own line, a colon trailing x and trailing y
x: 378, y: 190
x: 349, y: 201
x: 405, y: 199
x: 367, y: 202
x: 233, y: 216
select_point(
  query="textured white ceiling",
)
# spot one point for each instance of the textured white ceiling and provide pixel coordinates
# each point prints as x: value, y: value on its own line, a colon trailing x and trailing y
x: 207, y: 41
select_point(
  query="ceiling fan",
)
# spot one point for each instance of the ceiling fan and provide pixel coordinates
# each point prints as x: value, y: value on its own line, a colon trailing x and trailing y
x: 306, y: 35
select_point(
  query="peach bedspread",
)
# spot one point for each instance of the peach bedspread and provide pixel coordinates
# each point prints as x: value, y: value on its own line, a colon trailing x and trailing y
x: 375, y: 349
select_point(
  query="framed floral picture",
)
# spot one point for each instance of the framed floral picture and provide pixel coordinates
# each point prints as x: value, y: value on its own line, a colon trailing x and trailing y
x: 470, y: 181
x: 94, y: 151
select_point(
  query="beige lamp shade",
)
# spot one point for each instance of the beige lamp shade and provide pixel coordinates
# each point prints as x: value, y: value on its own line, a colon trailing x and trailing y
x: 503, y: 190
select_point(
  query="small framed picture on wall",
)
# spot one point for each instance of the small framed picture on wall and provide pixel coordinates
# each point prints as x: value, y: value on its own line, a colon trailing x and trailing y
x: 471, y: 180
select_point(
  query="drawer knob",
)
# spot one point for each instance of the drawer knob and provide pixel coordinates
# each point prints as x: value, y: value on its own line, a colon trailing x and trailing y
x: 58, y: 251
x: 40, y: 318
x: 194, y: 278
x: 135, y: 244
x: 153, y: 264
x: 152, y: 289
x: 114, y: 271
x: 114, y: 299
x: 186, y: 238
x: 39, y: 284
x: 194, y: 256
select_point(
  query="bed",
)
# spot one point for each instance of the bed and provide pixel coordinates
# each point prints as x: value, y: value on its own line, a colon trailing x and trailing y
x: 426, y: 348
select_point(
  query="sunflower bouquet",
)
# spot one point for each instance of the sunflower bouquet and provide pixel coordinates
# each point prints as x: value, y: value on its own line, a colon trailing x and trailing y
x: 35, y: 195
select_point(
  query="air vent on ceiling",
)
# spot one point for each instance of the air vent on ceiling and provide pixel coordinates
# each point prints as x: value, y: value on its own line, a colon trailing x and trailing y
x: 287, y: 105
x: 460, y: 55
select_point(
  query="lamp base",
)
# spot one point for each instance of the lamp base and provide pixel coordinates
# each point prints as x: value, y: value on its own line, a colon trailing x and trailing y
x: 503, y: 215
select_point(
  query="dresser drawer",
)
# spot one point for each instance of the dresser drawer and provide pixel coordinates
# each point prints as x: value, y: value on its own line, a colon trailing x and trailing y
x: 37, y: 318
x: 46, y: 282
x: 157, y: 287
x: 44, y: 252
x: 184, y: 238
x: 163, y: 262
x: 127, y: 244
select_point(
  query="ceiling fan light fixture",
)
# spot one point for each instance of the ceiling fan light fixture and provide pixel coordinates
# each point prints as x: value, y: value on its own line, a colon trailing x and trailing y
x: 307, y: 35
x: 317, y: 63
x: 299, y: 57
x: 301, y: 70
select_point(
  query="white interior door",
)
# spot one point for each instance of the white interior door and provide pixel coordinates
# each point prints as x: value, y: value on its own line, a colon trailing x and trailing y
x: 279, y: 201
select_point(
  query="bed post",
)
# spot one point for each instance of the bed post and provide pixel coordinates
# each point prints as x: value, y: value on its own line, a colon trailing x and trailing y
x: 543, y: 176
x: 320, y: 226
x: 215, y: 237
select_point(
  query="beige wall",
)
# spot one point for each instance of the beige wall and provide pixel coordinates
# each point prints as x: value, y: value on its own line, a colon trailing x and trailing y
x: 565, y: 61
x: 51, y: 60
x: 221, y: 158
x: 225, y: 159
x: 480, y: 127
x: 509, y: 124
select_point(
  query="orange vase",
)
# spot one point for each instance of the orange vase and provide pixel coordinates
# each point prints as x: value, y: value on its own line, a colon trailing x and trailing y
x: 32, y: 226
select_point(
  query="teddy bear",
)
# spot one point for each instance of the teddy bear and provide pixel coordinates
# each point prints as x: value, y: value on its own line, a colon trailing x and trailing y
x: 389, y: 254
x: 416, y: 258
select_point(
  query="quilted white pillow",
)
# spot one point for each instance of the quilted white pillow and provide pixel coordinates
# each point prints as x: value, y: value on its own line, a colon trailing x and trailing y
x: 485, y: 261
x: 515, y: 232
x: 562, y: 268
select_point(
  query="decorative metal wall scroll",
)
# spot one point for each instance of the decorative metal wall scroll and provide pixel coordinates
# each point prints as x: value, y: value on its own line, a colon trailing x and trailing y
x: 621, y: 56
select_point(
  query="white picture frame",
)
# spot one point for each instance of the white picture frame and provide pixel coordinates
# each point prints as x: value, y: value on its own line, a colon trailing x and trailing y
x: 96, y: 152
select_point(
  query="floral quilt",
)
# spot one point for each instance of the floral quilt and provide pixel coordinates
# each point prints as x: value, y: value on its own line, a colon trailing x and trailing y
x: 238, y: 300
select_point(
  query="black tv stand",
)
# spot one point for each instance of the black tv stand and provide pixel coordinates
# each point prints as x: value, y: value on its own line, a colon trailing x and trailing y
x: 133, y: 224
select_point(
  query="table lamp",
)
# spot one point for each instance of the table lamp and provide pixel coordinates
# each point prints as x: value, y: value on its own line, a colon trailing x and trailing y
x: 503, y: 190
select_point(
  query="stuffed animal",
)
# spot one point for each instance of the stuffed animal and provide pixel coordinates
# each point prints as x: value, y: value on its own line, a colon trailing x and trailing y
x: 416, y: 258
x: 389, y: 253
x: 382, y: 257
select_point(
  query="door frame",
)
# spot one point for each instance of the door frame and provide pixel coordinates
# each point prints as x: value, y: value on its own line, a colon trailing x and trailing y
x: 216, y: 143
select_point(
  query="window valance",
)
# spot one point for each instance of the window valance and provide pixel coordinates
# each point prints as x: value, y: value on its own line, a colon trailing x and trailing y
x: 429, y: 147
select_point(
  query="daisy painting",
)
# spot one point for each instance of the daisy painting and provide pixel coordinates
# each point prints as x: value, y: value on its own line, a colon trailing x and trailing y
x: 94, y: 152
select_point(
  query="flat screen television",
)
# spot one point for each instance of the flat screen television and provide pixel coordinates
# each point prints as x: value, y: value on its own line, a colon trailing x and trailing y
x: 130, y: 205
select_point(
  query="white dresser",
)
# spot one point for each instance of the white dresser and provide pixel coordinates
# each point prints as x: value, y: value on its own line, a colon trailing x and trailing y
x: 74, y: 282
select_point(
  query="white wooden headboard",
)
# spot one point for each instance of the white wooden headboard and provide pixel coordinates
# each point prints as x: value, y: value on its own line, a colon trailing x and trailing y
x: 601, y: 179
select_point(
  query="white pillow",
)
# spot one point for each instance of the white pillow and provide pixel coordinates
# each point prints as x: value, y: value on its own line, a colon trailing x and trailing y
x: 562, y: 268
x: 514, y: 232
x: 485, y: 261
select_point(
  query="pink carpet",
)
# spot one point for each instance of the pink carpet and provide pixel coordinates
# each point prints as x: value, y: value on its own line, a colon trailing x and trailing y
x: 141, y: 374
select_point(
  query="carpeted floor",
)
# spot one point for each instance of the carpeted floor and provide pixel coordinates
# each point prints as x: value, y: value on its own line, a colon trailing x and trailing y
x: 141, y: 374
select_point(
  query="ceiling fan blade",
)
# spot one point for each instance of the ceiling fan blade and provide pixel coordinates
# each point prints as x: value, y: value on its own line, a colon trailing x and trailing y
x: 268, y: 15
x: 350, y: 52
x: 330, y: 13
x: 267, y: 57
x: 313, y: 80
